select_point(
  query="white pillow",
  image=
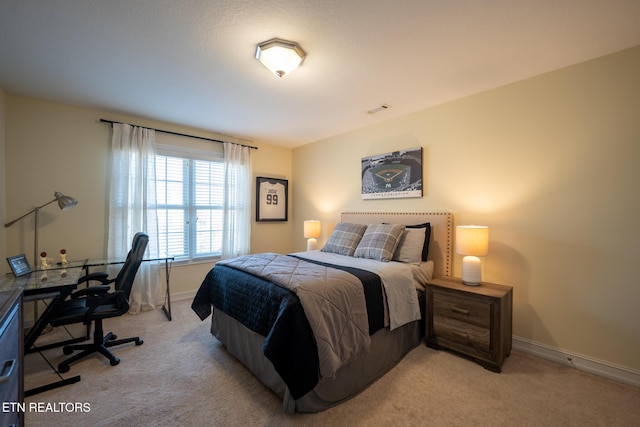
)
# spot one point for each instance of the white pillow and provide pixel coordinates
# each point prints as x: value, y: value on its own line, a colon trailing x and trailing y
x: 409, y: 248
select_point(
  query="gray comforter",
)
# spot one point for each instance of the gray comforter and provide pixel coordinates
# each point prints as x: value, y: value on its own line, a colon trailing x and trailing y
x: 400, y: 281
x: 333, y: 301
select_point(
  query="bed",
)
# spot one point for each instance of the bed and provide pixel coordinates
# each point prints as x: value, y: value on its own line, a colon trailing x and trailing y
x: 318, y: 327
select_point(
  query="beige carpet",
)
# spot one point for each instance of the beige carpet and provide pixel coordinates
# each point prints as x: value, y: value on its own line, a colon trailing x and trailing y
x: 182, y: 376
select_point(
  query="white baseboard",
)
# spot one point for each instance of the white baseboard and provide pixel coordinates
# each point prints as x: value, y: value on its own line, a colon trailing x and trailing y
x: 181, y: 296
x: 577, y: 361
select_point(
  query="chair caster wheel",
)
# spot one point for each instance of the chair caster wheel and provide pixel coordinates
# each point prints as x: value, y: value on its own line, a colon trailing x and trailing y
x: 139, y: 342
x: 113, y: 337
x: 63, y: 368
x: 114, y: 361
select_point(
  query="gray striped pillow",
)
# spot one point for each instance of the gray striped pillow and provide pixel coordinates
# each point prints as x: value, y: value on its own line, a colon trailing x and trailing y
x: 379, y: 242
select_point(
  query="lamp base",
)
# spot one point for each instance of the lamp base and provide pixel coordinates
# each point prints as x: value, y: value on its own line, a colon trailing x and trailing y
x: 311, y: 244
x: 471, y: 270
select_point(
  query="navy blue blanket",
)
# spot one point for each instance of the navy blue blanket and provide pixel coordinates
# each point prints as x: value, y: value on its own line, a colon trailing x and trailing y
x: 277, y: 314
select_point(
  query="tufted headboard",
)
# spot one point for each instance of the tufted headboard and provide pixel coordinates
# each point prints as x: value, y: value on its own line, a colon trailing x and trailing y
x: 440, y: 246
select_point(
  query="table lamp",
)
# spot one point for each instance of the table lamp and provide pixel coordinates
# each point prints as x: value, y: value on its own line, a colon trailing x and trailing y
x: 311, y: 233
x: 472, y: 241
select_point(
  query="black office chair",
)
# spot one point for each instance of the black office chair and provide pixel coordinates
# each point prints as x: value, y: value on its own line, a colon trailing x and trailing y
x: 95, y: 303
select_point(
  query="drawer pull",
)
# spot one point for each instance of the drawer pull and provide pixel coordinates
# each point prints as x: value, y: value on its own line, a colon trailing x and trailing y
x: 460, y: 333
x: 459, y: 310
x: 8, y: 368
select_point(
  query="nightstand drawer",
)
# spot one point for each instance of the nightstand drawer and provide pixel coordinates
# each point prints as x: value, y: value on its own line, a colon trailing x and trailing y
x: 463, y: 333
x: 473, y: 312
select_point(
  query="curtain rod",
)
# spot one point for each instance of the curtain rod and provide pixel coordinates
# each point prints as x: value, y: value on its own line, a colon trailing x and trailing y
x: 178, y: 134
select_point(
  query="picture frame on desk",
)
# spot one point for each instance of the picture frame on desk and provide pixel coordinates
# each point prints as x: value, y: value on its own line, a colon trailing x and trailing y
x: 19, y: 265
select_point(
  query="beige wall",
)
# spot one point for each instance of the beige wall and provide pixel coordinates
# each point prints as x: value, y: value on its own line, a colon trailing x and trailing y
x: 56, y: 147
x: 550, y: 164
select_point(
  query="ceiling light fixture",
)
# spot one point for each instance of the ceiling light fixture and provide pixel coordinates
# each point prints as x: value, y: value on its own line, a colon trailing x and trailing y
x: 280, y: 56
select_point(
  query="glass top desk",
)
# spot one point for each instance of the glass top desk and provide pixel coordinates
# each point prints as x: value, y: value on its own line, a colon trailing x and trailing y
x: 55, y: 284
x: 86, y: 264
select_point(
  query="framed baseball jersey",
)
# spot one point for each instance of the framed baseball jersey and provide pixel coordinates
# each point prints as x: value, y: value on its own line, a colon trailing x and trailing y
x: 271, y: 199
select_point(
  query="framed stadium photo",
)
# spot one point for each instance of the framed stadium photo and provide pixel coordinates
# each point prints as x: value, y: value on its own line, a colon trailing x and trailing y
x: 272, y: 199
x: 392, y: 175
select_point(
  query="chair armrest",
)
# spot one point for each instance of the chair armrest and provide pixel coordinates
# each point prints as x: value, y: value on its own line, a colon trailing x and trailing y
x: 100, y: 290
x: 99, y: 276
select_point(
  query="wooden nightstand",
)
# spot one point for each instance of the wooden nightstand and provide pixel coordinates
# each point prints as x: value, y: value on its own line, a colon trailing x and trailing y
x: 472, y: 320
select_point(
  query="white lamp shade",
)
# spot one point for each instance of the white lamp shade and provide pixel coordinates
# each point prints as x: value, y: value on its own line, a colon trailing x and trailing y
x: 473, y: 242
x: 280, y: 56
x: 312, y: 229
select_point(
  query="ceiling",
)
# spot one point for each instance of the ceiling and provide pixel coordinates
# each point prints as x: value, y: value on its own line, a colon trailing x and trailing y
x: 191, y: 62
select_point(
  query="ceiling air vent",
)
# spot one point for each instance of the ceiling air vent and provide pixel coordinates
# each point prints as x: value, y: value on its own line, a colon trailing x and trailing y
x: 378, y: 109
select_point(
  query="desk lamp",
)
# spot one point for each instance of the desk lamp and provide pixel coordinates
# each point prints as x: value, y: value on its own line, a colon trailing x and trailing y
x: 312, y: 232
x: 64, y: 203
x: 473, y: 242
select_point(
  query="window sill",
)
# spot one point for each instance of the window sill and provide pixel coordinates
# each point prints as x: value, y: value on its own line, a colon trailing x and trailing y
x: 187, y: 262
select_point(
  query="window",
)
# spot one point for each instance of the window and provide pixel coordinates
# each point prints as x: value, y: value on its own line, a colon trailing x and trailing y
x: 189, y: 187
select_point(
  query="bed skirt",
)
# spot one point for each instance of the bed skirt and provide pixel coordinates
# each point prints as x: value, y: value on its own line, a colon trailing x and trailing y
x: 387, y: 349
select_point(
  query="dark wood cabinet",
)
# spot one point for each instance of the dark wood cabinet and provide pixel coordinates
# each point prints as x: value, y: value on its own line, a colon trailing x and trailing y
x: 472, y: 320
x: 11, y: 359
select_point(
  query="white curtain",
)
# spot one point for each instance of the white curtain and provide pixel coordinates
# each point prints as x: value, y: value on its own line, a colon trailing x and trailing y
x: 236, y: 233
x: 132, y: 207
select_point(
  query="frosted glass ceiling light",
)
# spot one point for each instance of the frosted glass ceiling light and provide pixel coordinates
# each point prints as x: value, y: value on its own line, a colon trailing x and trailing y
x: 280, y: 56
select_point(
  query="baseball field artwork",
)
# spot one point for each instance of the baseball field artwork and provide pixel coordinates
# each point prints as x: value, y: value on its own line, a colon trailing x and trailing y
x: 392, y: 175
